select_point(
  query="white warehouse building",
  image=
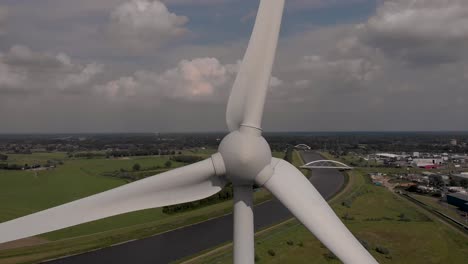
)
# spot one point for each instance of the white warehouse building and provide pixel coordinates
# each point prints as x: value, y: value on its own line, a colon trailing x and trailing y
x: 427, y: 162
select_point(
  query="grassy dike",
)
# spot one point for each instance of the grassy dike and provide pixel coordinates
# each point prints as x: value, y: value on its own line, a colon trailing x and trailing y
x: 381, y: 219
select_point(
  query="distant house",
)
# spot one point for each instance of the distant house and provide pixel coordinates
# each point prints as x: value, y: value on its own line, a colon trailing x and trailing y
x: 459, y: 200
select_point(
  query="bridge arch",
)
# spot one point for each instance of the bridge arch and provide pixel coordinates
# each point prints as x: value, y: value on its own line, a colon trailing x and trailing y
x: 326, y: 164
x: 302, y: 146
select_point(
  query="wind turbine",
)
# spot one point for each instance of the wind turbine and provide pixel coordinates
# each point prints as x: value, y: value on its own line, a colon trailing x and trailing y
x: 243, y: 158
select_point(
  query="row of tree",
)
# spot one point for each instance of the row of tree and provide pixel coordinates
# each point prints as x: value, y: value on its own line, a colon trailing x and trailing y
x: 140, y: 152
x: 186, y: 159
x: 26, y: 166
x: 137, y: 167
x: 122, y: 153
x: 223, y: 195
x: 6, y: 166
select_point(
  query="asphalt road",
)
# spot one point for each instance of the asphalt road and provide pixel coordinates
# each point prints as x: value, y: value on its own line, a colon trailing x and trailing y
x: 176, y: 244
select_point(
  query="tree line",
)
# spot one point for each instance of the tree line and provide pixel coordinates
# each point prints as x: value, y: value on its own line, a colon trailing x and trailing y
x: 122, y: 153
x: 225, y: 194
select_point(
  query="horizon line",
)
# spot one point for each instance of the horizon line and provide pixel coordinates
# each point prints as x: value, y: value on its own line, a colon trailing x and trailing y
x: 226, y: 131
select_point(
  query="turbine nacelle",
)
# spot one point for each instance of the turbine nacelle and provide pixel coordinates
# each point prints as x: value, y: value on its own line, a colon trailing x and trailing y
x: 246, y: 155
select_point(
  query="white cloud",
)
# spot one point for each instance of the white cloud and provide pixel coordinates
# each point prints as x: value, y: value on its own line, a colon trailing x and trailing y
x: 119, y: 89
x: 197, y: 80
x: 27, y: 70
x: 198, y: 77
x: 8, y: 77
x: 312, y: 4
x: 422, y: 19
x: 302, y: 83
x: 275, y: 82
x: 83, y: 75
x: 64, y: 59
x: 420, y: 31
x: 352, y: 69
x: 192, y: 80
x: 21, y: 52
x: 143, y: 24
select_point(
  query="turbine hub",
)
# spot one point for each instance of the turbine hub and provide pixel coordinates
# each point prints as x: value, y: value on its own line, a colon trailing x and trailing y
x: 245, y: 154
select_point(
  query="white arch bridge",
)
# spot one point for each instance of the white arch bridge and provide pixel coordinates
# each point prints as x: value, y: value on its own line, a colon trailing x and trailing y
x: 326, y: 164
x: 302, y: 146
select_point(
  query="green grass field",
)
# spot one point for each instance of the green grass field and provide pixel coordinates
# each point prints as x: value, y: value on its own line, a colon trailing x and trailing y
x: 24, y: 192
x: 374, y: 215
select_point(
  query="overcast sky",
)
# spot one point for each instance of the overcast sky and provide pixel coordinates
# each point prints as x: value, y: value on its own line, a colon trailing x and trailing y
x: 168, y: 66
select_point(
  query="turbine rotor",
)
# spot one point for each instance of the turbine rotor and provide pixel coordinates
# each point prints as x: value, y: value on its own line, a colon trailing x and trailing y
x: 245, y: 154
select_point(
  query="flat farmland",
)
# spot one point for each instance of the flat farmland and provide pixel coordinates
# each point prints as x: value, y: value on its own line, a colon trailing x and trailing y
x: 28, y: 191
x: 24, y: 192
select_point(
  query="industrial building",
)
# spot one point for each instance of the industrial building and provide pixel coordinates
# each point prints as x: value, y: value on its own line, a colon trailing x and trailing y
x: 427, y: 163
x: 459, y: 200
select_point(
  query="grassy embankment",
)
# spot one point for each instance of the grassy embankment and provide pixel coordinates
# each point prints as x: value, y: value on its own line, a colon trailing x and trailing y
x: 374, y: 215
x: 24, y: 192
x: 442, y: 207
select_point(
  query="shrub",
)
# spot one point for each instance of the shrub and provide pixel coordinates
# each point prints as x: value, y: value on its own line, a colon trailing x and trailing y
x: 301, y: 244
x: 271, y: 252
x: 382, y: 250
x: 364, y: 243
x: 257, y: 258
x: 3, y: 157
x: 404, y: 218
x: 290, y: 242
x: 347, y: 216
x: 330, y: 256
x: 347, y: 203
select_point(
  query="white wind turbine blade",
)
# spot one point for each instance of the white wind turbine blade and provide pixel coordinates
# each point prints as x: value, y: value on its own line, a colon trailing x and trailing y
x: 189, y: 183
x: 290, y: 186
x: 248, y: 94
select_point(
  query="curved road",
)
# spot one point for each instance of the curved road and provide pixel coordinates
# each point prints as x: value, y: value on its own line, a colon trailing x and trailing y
x: 186, y: 241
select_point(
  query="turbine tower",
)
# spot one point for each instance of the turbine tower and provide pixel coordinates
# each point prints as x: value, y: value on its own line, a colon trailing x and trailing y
x: 243, y: 158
